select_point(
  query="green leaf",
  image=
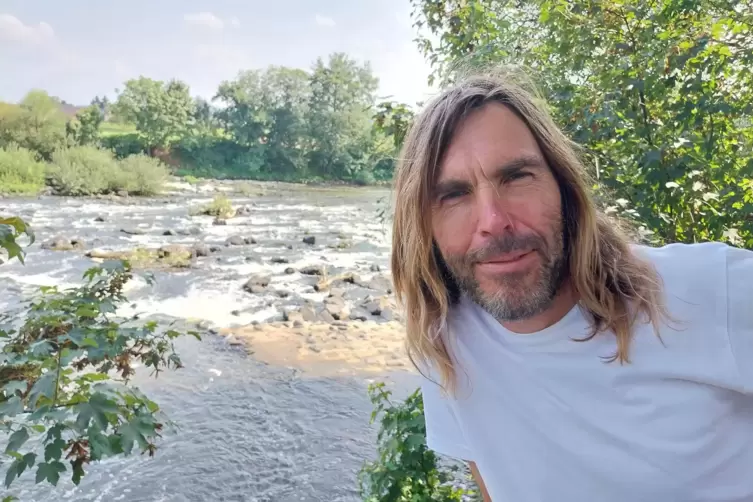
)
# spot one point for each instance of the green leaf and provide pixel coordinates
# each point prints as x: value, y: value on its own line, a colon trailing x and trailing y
x: 14, y: 470
x: 97, y: 408
x: 100, y: 444
x: 50, y: 471
x: 17, y: 440
x: 14, y: 386
x: 54, y: 450
x: 43, y: 387
x: 11, y: 407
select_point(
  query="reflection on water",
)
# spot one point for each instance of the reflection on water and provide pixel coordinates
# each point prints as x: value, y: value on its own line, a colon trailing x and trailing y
x: 247, y: 431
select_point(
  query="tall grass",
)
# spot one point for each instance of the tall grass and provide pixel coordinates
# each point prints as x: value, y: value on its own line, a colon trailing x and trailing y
x: 21, y: 172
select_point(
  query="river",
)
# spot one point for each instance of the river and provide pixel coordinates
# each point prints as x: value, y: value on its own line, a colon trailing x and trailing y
x: 248, y: 430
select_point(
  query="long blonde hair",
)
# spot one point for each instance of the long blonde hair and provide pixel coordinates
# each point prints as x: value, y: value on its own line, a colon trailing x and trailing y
x: 613, y: 285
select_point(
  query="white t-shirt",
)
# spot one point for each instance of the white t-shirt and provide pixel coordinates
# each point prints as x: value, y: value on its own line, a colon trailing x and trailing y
x: 546, y: 419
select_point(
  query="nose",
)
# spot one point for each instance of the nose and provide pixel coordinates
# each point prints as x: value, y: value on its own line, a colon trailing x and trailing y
x: 493, y: 217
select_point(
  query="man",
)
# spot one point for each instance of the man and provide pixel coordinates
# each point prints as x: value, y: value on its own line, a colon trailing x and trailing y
x: 561, y: 361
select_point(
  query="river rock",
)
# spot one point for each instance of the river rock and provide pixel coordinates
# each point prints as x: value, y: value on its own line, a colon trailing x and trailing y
x: 374, y: 267
x: 359, y: 314
x: 243, y: 211
x: 257, y: 284
x: 169, y: 232
x: 201, y: 250
x: 278, y: 259
x: 290, y: 270
x: 219, y: 221
x: 312, y: 270
x: 310, y: 240
x: 63, y: 244
x: 336, y: 307
x: 100, y: 219
x: 215, y: 249
x: 308, y: 314
x: 133, y: 231
x: 380, y: 283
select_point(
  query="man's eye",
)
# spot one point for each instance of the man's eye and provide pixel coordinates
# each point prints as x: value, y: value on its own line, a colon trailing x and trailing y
x: 519, y: 176
x: 450, y: 196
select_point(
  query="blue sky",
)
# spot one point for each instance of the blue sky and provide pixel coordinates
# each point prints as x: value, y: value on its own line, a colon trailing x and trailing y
x: 76, y: 49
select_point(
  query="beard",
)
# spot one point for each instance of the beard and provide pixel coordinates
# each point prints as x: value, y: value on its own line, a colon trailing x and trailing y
x: 519, y: 295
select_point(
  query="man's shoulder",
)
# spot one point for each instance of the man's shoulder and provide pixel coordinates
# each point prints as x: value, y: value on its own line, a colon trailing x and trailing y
x: 682, y: 258
x: 695, y: 267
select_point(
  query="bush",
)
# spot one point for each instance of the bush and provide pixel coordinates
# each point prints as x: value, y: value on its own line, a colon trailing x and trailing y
x: 84, y: 170
x: 123, y: 145
x: 364, y: 178
x: 20, y: 171
x: 406, y: 469
x: 142, y: 175
x: 220, y: 207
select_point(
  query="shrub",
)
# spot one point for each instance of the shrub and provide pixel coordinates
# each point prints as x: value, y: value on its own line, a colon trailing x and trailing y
x: 143, y: 175
x: 84, y: 170
x: 406, y: 469
x: 364, y: 178
x: 123, y: 145
x: 20, y: 171
x: 221, y: 207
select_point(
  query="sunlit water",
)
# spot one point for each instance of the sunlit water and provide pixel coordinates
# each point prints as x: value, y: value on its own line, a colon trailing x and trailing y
x: 247, y: 431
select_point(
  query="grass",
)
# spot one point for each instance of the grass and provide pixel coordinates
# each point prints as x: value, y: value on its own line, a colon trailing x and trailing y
x: 113, y: 129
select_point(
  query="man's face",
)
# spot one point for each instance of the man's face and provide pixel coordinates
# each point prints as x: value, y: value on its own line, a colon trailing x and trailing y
x: 497, y: 218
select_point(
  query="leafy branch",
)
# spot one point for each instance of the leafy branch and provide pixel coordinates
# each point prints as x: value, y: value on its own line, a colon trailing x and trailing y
x: 65, y: 366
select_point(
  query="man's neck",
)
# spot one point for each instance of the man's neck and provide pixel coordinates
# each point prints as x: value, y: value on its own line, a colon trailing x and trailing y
x: 563, y: 302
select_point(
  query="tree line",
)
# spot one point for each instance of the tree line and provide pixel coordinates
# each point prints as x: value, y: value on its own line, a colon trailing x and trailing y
x: 274, y: 123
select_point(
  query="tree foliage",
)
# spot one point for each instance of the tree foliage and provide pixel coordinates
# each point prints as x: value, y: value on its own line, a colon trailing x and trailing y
x: 36, y: 123
x: 659, y: 94
x: 84, y: 128
x: 161, y: 111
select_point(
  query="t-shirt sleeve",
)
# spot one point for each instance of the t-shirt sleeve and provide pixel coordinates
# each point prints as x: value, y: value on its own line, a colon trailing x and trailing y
x: 443, y: 431
x: 740, y: 312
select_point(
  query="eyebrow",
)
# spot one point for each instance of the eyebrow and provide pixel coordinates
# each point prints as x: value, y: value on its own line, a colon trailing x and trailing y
x: 443, y: 187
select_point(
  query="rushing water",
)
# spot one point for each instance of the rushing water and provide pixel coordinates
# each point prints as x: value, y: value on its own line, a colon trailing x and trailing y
x: 246, y: 430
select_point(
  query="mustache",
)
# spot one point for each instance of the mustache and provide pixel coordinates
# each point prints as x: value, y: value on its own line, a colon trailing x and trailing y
x: 505, y: 244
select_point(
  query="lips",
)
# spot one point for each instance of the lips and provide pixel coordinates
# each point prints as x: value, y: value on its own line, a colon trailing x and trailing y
x: 507, y: 258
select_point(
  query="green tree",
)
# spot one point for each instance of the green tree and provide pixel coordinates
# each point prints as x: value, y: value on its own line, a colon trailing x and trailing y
x: 243, y: 113
x: 37, y: 123
x: 339, y: 115
x: 658, y: 93
x: 285, y: 96
x: 161, y: 111
x: 84, y: 128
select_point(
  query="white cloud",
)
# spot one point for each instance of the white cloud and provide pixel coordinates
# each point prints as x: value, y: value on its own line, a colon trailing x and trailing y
x: 324, y: 21
x: 13, y: 29
x: 235, y: 22
x: 204, y: 20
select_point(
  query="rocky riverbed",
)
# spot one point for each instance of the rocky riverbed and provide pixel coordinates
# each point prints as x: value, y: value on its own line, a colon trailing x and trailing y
x: 312, y: 286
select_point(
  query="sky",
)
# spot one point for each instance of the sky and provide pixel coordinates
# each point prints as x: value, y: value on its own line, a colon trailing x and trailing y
x: 78, y: 49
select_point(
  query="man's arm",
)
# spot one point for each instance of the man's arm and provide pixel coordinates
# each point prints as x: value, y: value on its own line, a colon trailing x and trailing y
x: 479, y: 482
